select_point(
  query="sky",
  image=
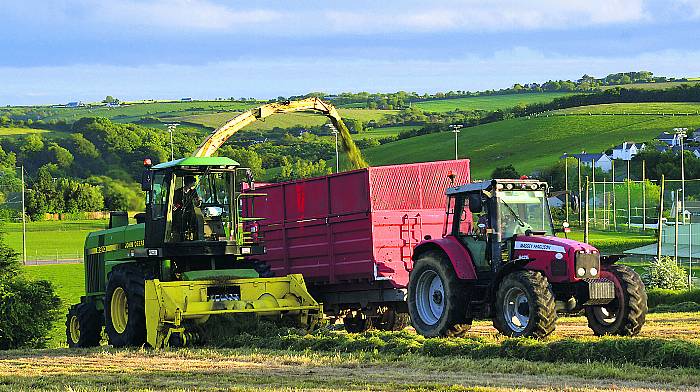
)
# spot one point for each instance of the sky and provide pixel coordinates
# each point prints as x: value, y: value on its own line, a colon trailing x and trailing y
x: 59, y: 51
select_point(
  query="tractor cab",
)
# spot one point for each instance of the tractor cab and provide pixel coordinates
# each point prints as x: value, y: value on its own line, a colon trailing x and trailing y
x: 487, y: 217
x: 193, y: 211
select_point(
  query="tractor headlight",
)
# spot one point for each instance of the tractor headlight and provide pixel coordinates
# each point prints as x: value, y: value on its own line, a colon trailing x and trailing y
x: 581, y: 271
x: 593, y: 271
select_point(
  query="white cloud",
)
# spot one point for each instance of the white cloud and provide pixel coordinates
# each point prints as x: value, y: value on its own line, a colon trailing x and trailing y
x: 306, y: 18
x: 267, y: 78
x: 476, y: 15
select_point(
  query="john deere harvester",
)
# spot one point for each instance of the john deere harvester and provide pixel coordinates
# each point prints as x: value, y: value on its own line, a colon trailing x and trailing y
x: 190, y: 256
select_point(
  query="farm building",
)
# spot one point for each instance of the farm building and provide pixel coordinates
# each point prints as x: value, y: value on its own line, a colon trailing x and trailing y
x: 600, y: 160
x: 627, y: 150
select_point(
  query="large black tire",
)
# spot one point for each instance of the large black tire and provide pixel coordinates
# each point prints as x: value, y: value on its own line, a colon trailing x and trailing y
x: 437, y: 299
x: 626, y: 314
x: 130, y: 280
x: 525, y: 305
x: 83, y: 325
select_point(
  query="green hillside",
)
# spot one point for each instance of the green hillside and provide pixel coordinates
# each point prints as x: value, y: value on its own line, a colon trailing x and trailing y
x: 215, y: 120
x: 528, y: 144
x: 652, y: 86
x: 491, y: 102
x: 637, y: 108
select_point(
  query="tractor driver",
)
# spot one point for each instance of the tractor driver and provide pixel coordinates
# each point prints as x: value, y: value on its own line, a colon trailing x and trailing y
x: 185, y: 201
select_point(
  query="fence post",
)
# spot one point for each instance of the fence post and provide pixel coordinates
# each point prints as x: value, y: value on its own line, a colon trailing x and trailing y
x: 644, y: 196
x: 661, y: 214
x: 580, y: 209
x: 566, y: 187
x: 629, y: 199
x: 614, y: 199
x: 585, y: 227
x: 593, y: 183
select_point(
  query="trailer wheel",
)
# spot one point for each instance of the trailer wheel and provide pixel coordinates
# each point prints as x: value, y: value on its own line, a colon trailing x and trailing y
x: 83, y: 325
x: 525, y: 305
x: 625, y: 315
x: 391, y: 320
x: 125, y: 317
x: 436, y: 297
x: 356, y: 323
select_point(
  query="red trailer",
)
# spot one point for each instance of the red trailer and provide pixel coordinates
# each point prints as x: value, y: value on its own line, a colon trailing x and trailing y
x: 352, y: 234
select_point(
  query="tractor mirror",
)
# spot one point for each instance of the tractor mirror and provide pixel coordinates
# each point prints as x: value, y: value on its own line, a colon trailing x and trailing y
x: 146, y: 180
x: 475, y: 205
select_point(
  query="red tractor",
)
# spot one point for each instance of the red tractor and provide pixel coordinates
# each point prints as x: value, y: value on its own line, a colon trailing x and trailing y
x: 511, y: 267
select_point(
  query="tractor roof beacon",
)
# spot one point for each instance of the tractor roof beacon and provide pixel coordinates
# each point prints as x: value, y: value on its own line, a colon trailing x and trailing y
x: 189, y: 256
x: 499, y: 258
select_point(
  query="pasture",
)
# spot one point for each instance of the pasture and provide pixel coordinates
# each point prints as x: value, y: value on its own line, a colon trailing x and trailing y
x: 288, y: 120
x: 528, y: 143
x: 488, y: 103
x: 52, y: 240
x: 649, y: 108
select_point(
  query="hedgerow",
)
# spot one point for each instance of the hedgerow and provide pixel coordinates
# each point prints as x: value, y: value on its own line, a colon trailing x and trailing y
x: 656, y: 297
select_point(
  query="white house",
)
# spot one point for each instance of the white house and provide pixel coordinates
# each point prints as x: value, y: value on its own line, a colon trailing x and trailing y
x: 627, y: 150
x: 601, y: 160
x: 671, y: 139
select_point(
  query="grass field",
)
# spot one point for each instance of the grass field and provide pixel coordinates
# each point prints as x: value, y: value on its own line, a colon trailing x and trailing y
x: 51, y: 240
x: 285, y: 370
x: 132, y: 112
x: 13, y: 131
x: 378, y: 133
x: 637, y: 108
x: 652, y: 86
x: 527, y: 143
x: 287, y: 120
x: 492, y: 102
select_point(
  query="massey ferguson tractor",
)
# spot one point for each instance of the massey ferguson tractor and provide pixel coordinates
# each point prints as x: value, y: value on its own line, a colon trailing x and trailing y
x: 509, y: 266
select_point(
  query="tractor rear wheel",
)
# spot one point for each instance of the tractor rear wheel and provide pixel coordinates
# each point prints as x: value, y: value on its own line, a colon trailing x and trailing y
x: 525, y: 305
x: 125, y: 317
x: 437, y: 299
x: 624, y: 315
x: 83, y: 325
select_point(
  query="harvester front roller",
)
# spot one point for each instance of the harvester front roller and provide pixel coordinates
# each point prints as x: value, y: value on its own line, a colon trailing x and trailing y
x: 173, y: 306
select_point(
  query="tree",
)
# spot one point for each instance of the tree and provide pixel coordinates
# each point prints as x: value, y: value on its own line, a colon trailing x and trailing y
x: 110, y: 99
x: 60, y: 155
x: 28, y: 308
x: 505, y: 172
x: 32, y: 143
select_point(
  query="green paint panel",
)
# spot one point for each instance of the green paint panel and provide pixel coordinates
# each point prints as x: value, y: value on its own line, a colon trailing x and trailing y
x: 220, y: 274
x: 198, y: 161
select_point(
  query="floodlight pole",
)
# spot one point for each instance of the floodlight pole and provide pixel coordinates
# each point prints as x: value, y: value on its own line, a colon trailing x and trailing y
x: 334, y: 131
x: 681, y: 133
x: 455, y: 130
x: 171, y: 129
x: 24, y: 222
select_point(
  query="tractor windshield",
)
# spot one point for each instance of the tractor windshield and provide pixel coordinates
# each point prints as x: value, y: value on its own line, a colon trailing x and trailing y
x: 202, y: 206
x: 524, y: 210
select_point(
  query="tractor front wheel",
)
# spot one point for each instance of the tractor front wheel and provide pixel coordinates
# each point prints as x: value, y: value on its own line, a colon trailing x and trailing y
x: 125, y: 317
x: 525, y: 305
x: 83, y: 325
x: 624, y: 315
x: 436, y: 297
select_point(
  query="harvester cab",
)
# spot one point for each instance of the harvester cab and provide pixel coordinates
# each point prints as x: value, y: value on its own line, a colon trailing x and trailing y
x: 189, y: 257
x: 500, y: 258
